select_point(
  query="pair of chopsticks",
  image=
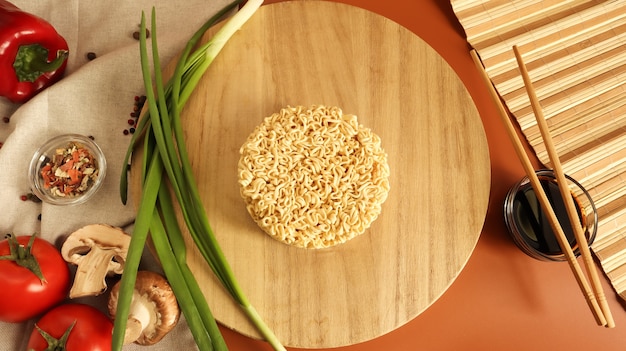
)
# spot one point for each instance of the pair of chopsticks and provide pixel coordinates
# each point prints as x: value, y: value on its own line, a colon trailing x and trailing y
x: 594, y: 295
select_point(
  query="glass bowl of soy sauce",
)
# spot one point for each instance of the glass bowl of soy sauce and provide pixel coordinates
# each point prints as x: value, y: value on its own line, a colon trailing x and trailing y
x: 528, y: 225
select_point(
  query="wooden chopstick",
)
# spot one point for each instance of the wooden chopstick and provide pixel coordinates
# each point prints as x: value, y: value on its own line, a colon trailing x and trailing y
x: 583, y: 245
x: 541, y: 196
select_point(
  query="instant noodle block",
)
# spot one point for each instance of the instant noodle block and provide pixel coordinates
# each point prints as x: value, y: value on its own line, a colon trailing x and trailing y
x: 313, y: 177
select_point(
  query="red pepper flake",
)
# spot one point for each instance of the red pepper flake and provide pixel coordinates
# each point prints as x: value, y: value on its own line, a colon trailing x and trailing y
x: 30, y: 197
x: 70, y: 172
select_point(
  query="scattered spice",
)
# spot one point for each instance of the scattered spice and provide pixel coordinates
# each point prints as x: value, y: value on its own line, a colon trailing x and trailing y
x: 138, y: 105
x: 6, y: 119
x: 91, y: 56
x: 70, y: 172
x: 136, y: 34
x: 30, y: 197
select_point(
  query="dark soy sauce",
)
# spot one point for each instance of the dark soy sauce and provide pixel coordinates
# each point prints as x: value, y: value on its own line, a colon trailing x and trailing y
x: 533, y: 223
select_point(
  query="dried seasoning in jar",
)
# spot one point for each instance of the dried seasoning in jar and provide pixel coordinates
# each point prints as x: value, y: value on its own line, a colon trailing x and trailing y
x: 70, y: 171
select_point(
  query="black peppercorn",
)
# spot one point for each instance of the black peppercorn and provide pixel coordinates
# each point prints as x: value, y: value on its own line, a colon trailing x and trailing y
x: 137, y: 34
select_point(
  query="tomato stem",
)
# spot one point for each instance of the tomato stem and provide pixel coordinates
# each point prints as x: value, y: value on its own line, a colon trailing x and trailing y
x: 22, y: 255
x: 55, y: 344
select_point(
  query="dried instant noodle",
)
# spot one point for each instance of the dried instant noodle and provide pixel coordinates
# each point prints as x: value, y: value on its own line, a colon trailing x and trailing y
x: 313, y: 177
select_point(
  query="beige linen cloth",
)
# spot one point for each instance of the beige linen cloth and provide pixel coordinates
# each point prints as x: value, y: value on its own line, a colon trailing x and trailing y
x: 94, y: 98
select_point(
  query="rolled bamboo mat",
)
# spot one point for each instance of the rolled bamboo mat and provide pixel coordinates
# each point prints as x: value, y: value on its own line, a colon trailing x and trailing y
x: 575, y: 51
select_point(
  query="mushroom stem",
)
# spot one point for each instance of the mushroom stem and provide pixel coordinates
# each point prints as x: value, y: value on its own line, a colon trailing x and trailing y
x: 134, y: 328
x: 139, y: 317
x: 91, y: 274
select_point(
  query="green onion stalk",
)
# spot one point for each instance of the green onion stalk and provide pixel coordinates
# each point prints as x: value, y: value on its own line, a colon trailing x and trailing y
x: 166, y: 170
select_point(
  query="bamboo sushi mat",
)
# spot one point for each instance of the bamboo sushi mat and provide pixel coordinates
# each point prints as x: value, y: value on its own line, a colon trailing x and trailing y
x: 575, y: 51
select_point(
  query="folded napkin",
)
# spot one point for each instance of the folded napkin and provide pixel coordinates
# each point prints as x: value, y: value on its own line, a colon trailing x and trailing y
x: 95, y: 98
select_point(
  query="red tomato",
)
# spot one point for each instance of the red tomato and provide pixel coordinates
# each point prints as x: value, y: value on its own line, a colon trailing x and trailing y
x: 22, y: 294
x: 89, y: 329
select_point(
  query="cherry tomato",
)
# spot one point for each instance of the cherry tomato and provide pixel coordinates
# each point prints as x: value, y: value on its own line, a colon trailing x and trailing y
x: 24, y: 295
x: 72, y: 327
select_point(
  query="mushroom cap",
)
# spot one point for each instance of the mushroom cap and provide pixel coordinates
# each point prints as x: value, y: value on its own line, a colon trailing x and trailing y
x: 81, y: 242
x: 153, y: 292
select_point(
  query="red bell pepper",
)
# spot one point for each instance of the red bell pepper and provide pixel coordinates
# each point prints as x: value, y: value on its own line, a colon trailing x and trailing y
x: 32, y: 54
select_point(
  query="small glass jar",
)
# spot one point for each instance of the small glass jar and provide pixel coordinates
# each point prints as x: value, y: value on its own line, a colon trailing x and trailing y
x: 67, y: 170
x: 529, y: 227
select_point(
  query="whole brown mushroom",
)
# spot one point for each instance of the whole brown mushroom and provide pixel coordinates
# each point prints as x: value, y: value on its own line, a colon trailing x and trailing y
x: 153, y: 311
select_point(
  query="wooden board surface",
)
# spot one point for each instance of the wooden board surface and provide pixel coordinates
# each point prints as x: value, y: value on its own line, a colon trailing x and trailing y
x: 316, y: 52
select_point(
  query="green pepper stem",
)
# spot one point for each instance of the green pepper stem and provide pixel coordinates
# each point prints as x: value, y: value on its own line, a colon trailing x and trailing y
x: 31, y: 62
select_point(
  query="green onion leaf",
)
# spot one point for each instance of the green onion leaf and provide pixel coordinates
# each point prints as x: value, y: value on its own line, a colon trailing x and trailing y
x: 166, y: 167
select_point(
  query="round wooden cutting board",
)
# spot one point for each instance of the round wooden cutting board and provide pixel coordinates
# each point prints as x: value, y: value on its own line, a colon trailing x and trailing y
x: 318, y: 52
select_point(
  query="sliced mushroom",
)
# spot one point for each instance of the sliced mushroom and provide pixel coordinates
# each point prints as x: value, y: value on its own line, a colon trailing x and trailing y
x: 153, y: 310
x: 99, y: 250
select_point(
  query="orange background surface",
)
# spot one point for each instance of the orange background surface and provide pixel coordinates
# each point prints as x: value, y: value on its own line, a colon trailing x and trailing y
x: 503, y: 299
